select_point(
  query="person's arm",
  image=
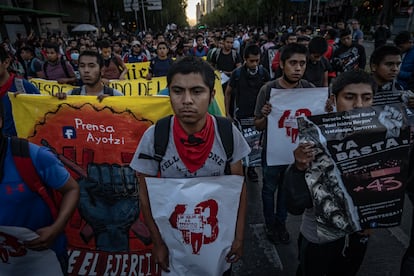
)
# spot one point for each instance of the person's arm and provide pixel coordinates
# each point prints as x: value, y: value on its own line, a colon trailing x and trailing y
x: 262, y: 109
x: 47, y: 235
x: 325, y: 79
x: 236, y: 250
x: 160, y: 249
x: 261, y: 122
x: 124, y: 71
x: 227, y: 99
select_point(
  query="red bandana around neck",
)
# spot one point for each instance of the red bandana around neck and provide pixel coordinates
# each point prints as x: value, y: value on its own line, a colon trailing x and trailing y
x: 6, y: 87
x: 194, y: 149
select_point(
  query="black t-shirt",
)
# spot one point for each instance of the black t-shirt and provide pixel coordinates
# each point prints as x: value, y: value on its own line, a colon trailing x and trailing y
x: 227, y: 62
x: 315, y: 71
x: 245, y: 88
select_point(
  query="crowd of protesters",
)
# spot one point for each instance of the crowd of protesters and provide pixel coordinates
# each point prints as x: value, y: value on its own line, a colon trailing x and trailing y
x: 320, y: 56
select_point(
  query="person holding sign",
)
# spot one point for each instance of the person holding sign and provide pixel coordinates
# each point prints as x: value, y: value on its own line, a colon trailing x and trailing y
x: 194, y: 149
x: 385, y: 65
x: 293, y: 66
x: 90, y: 68
x: 319, y: 255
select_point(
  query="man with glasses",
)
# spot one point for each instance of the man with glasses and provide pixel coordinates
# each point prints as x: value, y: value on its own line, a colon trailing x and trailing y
x: 136, y: 54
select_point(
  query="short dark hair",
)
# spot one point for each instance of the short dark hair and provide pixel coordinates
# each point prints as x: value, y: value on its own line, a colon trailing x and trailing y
x: 191, y: 64
x: 291, y: 49
x: 88, y: 53
x: 318, y: 45
x: 386, y: 50
x: 53, y: 46
x: 27, y: 49
x: 332, y: 33
x: 199, y: 36
x: 402, y: 37
x: 227, y: 36
x: 104, y: 44
x: 345, y: 33
x: 352, y: 77
x: 286, y: 36
x: 251, y: 49
x: 162, y: 43
x: 271, y: 35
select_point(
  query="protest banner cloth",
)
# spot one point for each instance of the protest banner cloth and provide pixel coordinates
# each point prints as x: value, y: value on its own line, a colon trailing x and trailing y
x: 252, y: 136
x: 197, y: 220
x: 96, y: 141
x: 137, y: 70
x: 138, y: 87
x: 17, y: 259
x: 357, y: 179
x: 282, y: 129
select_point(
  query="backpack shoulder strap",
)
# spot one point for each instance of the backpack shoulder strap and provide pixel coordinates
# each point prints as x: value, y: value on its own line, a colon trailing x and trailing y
x: 161, y: 137
x: 45, y: 69
x: 234, y: 55
x: 64, y: 67
x: 225, y: 129
x: 18, y: 82
x: 27, y: 171
x: 108, y: 90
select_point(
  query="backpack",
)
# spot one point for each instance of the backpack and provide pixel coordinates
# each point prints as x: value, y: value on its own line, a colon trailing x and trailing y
x: 62, y: 63
x: 237, y: 73
x: 32, y: 64
x: 163, y: 125
x: 107, y: 91
x: 27, y: 171
x: 218, y: 52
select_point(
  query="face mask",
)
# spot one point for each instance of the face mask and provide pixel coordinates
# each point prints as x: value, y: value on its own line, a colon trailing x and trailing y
x: 74, y: 56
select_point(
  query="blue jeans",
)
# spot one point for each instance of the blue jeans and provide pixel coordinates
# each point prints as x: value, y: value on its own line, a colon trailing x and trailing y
x: 272, y: 179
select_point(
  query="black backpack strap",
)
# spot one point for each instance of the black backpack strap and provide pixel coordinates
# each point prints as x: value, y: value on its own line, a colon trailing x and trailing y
x: 45, y: 69
x: 161, y: 137
x: 64, y: 67
x: 108, y: 90
x: 225, y: 129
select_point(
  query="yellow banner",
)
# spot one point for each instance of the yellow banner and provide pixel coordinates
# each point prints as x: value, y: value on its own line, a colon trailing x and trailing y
x: 139, y: 87
x: 137, y: 70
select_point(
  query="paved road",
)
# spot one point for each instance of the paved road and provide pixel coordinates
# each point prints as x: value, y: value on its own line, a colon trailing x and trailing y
x: 261, y: 257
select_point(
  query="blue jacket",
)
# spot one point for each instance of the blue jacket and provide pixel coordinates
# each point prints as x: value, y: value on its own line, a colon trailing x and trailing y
x: 407, y: 68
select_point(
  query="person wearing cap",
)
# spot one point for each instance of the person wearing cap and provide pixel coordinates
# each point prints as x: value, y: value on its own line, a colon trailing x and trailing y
x: 404, y: 42
x: 136, y: 54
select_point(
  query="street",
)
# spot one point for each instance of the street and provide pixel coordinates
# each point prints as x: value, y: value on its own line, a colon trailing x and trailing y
x: 261, y: 257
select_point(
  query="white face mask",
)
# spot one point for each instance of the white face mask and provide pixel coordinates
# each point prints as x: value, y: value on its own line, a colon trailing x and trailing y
x: 74, y: 56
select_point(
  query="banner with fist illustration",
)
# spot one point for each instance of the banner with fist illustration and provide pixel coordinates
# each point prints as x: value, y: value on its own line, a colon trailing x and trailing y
x: 197, y: 220
x: 282, y: 128
x: 96, y: 141
x: 357, y: 179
